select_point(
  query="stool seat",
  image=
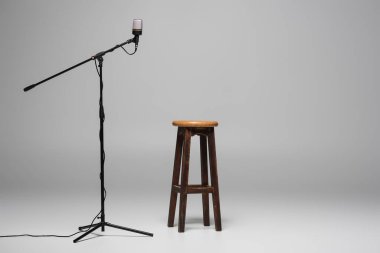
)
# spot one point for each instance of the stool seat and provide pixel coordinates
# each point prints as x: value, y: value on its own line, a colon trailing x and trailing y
x: 194, y: 123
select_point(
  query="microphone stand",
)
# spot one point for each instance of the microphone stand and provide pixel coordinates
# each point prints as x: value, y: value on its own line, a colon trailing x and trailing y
x: 99, y: 57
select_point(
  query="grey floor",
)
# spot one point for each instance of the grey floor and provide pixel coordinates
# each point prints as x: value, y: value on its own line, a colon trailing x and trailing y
x: 294, y: 86
x: 255, y: 223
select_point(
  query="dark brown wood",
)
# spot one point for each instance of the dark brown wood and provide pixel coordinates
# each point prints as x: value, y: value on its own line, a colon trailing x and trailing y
x: 195, y: 188
x: 184, y: 180
x: 176, y: 188
x: 204, y: 176
x: 205, y: 190
x: 214, y: 180
x: 175, y: 178
x: 200, y: 131
x: 181, y: 168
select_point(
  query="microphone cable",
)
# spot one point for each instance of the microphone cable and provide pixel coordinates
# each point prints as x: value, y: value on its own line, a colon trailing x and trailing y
x: 66, y: 236
x: 125, y: 50
x: 52, y: 235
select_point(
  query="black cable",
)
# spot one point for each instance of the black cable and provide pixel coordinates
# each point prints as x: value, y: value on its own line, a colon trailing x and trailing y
x: 63, y: 236
x: 128, y: 52
x: 31, y: 235
x: 96, y: 66
x: 2, y: 236
x: 104, y: 189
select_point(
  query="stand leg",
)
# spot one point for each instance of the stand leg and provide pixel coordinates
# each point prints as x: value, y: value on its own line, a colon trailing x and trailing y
x: 204, y: 176
x: 128, y: 229
x: 88, y: 232
x: 175, y: 179
x: 98, y: 225
x: 214, y: 180
x: 184, y: 181
x: 88, y: 226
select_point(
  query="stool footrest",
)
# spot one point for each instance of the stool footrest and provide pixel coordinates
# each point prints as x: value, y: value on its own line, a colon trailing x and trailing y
x: 194, y: 188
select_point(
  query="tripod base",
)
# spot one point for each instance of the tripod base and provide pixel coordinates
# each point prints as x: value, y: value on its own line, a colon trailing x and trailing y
x: 107, y: 224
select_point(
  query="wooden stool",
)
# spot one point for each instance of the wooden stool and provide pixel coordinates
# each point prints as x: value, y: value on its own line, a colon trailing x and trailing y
x: 205, y: 130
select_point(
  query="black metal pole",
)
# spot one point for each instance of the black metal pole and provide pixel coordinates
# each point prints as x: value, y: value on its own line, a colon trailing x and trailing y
x: 96, y: 56
x: 55, y: 75
x: 103, y: 223
x: 101, y: 137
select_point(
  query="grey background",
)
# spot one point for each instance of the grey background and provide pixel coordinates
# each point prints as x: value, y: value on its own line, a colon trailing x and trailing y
x: 293, y: 84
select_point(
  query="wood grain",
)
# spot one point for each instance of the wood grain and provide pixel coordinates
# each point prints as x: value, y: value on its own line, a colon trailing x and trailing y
x: 194, y: 123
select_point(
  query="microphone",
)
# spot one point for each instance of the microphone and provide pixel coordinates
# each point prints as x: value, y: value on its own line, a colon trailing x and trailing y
x: 137, y: 30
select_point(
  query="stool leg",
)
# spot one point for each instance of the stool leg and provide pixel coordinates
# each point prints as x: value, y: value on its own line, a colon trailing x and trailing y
x: 184, y: 180
x: 204, y: 176
x: 214, y: 180
x: 175, y: 178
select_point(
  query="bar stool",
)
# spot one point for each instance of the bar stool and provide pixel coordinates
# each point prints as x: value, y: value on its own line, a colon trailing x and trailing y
x: 205, y: 130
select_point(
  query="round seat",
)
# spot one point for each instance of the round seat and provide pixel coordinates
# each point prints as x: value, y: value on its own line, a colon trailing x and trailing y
x: 194, y: 123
